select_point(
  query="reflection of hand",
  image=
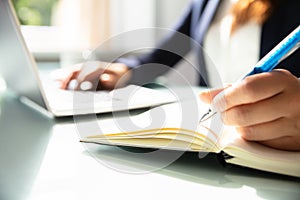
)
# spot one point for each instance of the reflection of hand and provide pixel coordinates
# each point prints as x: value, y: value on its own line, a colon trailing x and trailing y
x: 263, y: 107
x: 99, y: 76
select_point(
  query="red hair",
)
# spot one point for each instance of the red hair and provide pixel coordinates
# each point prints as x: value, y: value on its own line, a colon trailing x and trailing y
x: 244, y: 11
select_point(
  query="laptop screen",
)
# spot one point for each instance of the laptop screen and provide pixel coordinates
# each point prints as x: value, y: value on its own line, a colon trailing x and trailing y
x: 17, y: 66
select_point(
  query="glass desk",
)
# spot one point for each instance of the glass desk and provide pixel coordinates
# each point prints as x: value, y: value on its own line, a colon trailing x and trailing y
x: 42, y: 158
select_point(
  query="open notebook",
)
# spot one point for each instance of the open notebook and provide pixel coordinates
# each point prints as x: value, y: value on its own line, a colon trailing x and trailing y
x: 165, y: 128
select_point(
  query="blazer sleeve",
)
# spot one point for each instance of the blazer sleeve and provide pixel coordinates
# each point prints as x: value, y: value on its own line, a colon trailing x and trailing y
x: 285, y: 18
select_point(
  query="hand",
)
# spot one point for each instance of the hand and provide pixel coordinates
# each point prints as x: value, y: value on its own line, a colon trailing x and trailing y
x: 263, y: 108
x: 96, y: 76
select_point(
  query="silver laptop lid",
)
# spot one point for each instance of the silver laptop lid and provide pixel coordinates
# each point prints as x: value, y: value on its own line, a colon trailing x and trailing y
x: 17, y: 66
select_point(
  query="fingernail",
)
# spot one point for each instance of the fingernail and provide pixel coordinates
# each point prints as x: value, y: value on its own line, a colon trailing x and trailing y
x: 72, y: 84
x: 86, y: 85
x: 105, y: 77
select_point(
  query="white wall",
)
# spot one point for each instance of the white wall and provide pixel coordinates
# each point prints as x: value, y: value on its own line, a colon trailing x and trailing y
x: 128, y: 15
x: 168, y: 11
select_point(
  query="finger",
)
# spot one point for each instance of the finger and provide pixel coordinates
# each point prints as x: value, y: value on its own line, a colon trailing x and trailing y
x: 111, y: 79
x: 89, y: 75
x: 65, y: 82
x: 106, y: 82
x: 90, y: 72
x: 252, y: 89
x: 207, y: 95
x: 267, y: 131
x: 256, y: 113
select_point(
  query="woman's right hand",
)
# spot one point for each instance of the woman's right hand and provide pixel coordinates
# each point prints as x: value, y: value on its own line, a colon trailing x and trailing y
x: 95, y: 75
x: 262, y: 107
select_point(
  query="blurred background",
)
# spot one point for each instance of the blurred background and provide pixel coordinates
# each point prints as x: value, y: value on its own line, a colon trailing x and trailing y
x: 86, y: 23
x: 62, y: 30
x: 35, y: 12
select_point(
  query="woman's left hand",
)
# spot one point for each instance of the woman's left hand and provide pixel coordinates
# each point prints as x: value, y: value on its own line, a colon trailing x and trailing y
x: 263, y: 108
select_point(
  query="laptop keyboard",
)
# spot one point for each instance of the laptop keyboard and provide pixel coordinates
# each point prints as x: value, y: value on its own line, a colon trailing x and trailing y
x: 87, y: 97
x: 79, y: 97
x: 70, y: 102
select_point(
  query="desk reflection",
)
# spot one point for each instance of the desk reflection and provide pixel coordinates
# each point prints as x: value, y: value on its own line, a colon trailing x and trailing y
x: 208, y: 170
x: 24, y: 134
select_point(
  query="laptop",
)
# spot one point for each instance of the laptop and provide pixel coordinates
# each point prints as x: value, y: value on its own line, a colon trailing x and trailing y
x: 21, y: 74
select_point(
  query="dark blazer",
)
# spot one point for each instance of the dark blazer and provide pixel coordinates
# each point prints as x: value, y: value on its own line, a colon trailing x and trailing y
x: 194, y: 24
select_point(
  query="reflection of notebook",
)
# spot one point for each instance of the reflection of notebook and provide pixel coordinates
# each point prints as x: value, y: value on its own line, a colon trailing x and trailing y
x: 20, y: 72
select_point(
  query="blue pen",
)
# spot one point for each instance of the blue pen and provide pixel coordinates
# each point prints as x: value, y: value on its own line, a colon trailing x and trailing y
x: 281, y: 51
